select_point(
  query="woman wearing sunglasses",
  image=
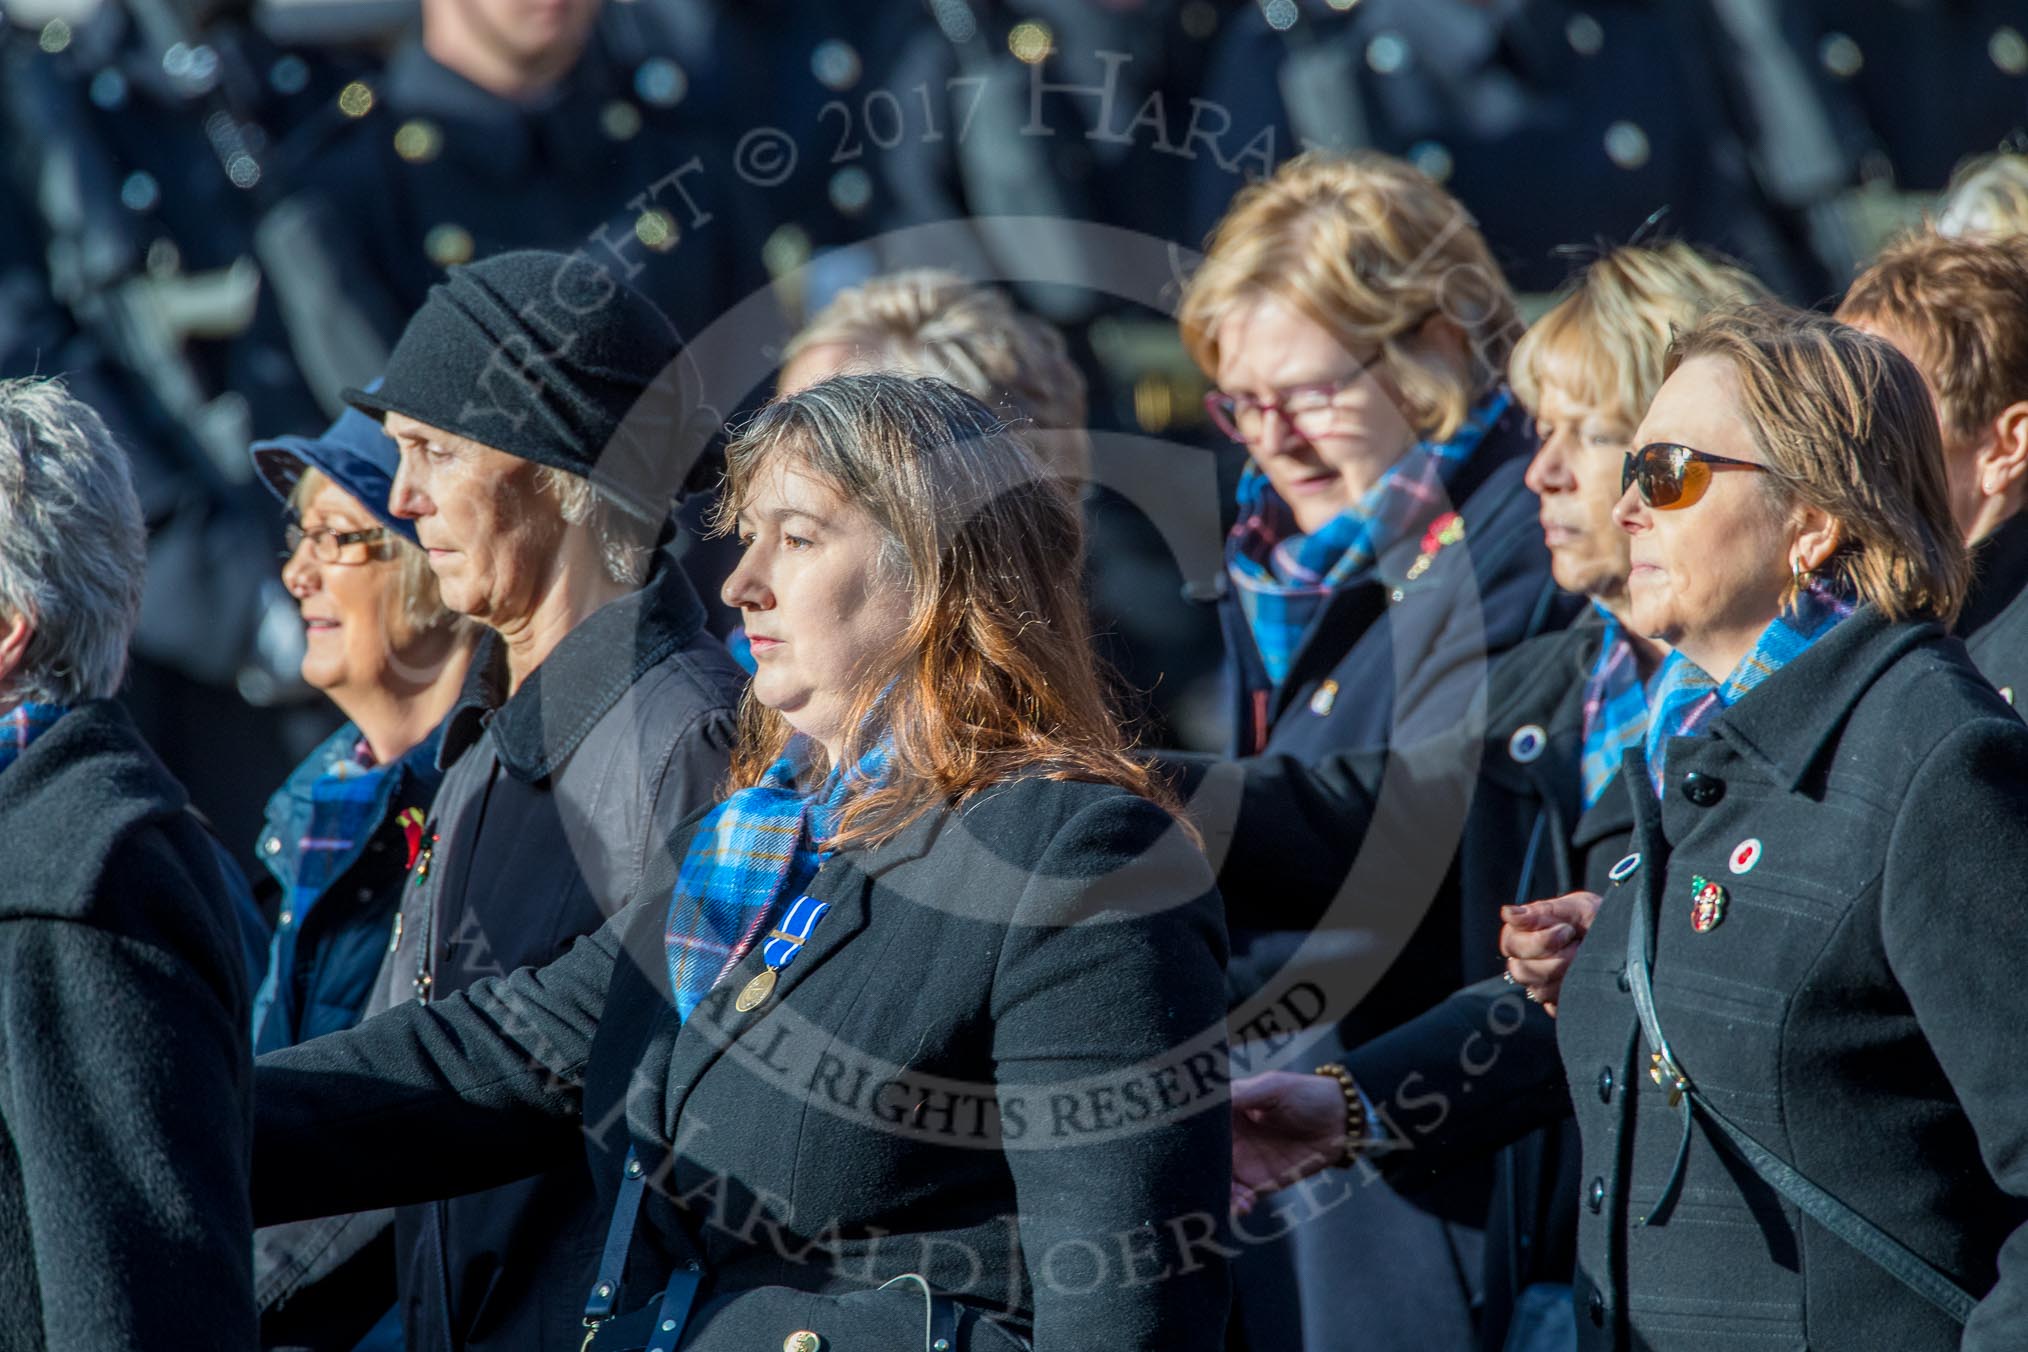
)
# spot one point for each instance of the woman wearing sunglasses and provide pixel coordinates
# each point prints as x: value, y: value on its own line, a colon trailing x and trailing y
x: 1792, y: 1015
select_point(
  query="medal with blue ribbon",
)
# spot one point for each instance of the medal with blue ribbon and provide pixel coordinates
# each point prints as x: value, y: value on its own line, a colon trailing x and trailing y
x: 784, y: 941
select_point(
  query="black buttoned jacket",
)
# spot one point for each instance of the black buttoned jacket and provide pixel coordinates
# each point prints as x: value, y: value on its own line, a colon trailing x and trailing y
x: 997, y: 1063
x: 1856, y: 1009
x: 1365, y: 843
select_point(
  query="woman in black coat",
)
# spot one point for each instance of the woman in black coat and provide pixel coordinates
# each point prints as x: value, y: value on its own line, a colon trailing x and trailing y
x: 1357, y: 329
x: 124, y: 1070
x: 1824, y: 880
x: 953, y: 1025
x: 1800, y: 982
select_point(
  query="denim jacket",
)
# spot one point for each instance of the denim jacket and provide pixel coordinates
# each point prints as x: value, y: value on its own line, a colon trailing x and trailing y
x: 322, y: 960
x: 322, y: 1283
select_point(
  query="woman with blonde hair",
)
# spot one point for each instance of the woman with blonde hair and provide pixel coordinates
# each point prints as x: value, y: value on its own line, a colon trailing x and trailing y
x: 344, y: 829
x: 1541, y: 819
x: 1357, y: 330
x: 1786, y: 1026
x: 920, y: 1045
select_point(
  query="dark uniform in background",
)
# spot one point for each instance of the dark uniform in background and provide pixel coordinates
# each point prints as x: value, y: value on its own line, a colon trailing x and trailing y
x: 138, y: 150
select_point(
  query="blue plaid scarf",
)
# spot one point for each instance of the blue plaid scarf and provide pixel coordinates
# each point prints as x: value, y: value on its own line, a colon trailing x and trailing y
x: 1615, y: 709
x: 344, y: 803
x: 1283, y: 579
x: 1686, y: 698
x: 757, y: 849
x: 24, y: 723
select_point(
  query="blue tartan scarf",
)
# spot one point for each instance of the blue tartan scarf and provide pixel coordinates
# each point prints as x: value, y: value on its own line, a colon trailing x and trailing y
x: 1283, y: 578
x: 756, y: 850
x: 344, y: 803
x: 1615, y: 709
x: 24, y: 723
x: 1687, y: 698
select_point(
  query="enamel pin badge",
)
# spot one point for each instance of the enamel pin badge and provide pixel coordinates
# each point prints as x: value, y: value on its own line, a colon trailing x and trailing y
x: 1707, y: 904
x: 1744, y: 856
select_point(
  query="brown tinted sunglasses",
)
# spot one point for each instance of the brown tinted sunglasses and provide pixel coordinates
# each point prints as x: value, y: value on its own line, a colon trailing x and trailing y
x: 1672, y: 477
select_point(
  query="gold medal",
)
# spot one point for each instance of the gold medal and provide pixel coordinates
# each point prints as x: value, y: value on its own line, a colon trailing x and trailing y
x: 756, y: 991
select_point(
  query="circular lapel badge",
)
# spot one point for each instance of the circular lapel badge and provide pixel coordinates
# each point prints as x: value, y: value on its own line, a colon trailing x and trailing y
x: 1744, y: 856
x: 1625, y: 867
x: 1527, y: 743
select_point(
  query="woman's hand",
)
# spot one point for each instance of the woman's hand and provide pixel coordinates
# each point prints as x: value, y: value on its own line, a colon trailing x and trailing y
x: 1285, y: 1127
x: 1541, y: 939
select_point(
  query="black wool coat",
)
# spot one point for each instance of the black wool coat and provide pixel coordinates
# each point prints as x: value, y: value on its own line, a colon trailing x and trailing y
x: 997, y: 1063
x: 124, y: 1064
x: 1856, y: 1008
x: 1386, y: 847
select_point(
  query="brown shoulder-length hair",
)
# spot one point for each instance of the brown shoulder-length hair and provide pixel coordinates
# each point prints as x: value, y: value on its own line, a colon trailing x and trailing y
x: 1847, y: 424
x: 994, y: 675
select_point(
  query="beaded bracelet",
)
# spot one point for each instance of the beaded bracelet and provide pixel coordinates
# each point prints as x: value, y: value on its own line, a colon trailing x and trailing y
x: 1356, y: 1138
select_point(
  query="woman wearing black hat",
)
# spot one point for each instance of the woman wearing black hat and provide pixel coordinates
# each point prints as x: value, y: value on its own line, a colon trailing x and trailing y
x: 531, y: 402
x: 343, y: 829
x: 922, y: 1042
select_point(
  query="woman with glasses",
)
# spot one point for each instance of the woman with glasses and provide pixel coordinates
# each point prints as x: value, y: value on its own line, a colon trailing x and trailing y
x: 342, y: 831
x: 1356, y: 327
x: 1803, y: 979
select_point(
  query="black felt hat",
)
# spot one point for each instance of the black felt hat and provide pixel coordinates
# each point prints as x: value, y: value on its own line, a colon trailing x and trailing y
x: 551, y: 358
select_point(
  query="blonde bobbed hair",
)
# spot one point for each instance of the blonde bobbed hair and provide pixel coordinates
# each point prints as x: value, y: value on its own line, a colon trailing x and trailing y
x: 1605, y: 342
x: 1369, y: 248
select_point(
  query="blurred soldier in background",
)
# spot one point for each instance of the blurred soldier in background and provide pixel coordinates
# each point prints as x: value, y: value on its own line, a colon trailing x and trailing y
x: 500, y: 125
x: 1560, y: 123
x: 136, y: 142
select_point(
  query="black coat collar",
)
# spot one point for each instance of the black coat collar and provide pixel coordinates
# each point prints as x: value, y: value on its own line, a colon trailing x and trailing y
x: 91, y: 778
x: 1787, y: 724
x: 2000, y: 576
x: 537, y: 729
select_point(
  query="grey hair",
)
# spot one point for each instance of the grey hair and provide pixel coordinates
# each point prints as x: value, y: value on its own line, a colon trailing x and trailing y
x: 73, y: 549
x: 1987, y: 196
x: 623, y: 543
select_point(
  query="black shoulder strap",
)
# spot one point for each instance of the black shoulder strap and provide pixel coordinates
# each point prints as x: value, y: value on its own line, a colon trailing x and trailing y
x: 1896, y: 1258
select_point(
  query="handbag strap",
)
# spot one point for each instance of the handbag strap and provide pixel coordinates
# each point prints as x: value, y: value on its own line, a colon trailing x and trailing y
x: 1894, y: 1257
x: 605, y: 1291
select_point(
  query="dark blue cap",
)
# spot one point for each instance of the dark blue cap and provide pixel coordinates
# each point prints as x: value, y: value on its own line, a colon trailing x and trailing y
x: 354, y: 453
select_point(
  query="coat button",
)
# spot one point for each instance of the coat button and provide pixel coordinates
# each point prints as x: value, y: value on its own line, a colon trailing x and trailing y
x: 1595, y: 1307
x: 1594, y: 1196
x: 1626, y: 983
x: 802, y: 1340
x: 1702, y: 789
x: 1605, y: 1085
